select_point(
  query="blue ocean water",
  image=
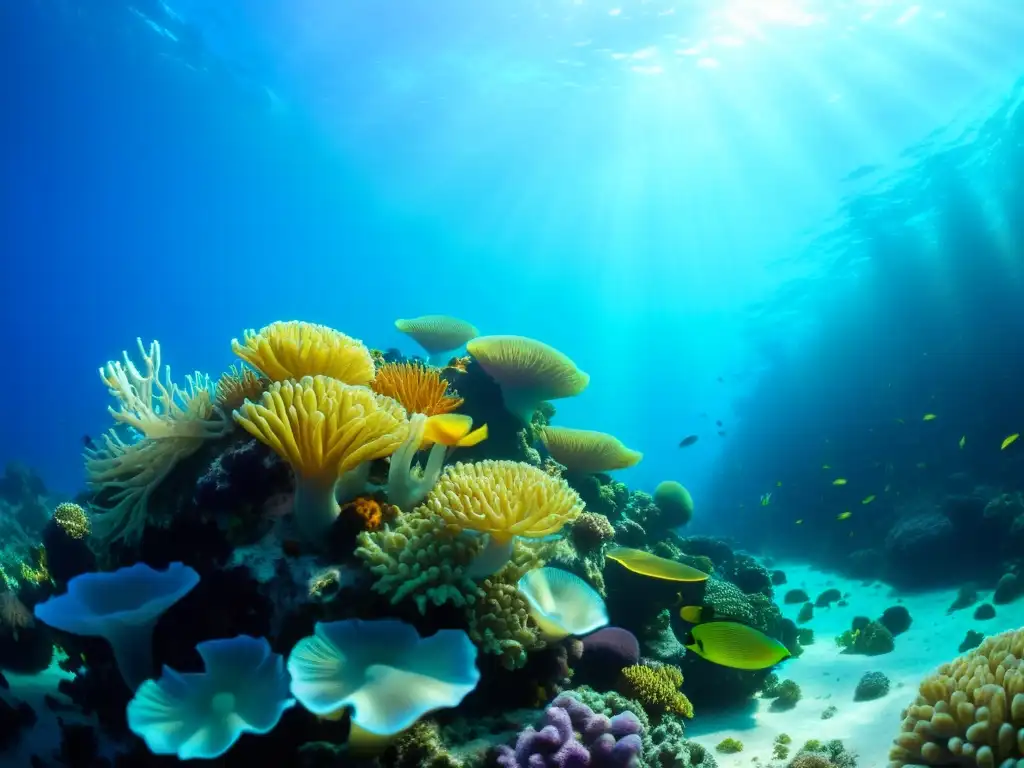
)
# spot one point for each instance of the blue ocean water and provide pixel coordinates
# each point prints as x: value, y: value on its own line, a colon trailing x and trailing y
x: 791, y: 228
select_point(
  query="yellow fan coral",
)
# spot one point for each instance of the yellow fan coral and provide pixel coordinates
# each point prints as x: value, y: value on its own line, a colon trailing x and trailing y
x: 418, y: 388
x: 293, y: 349
x: 323, y: 428
x: 237, y: 385
x: 582, y: 450
x: 172, y: 422
x: 970, y: 711
x: 528, y: 371
x: 438, y: 334
x: 503, y: 499
x: 657, y: 688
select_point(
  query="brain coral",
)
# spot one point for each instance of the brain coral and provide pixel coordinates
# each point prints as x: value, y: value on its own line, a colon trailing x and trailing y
x: 970, y: 711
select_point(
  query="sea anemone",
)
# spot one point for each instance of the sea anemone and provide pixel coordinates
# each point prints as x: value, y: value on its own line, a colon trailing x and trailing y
x: 419, y: 389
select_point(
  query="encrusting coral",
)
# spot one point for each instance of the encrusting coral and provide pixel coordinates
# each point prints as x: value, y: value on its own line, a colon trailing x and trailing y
x: 73, y: 519
x: 173, y: 423
x: 970, y: 711
x: 293, y: 349
x: 418, y: 388
x: 583, y: 450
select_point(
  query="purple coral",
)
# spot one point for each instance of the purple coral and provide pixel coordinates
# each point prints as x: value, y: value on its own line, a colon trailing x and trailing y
x: 604, y: 742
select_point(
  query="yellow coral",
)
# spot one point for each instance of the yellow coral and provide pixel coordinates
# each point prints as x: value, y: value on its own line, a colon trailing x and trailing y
x: 657, y: 688
x: 39, y: 571
x: 173, y: 423
x: 504, y: 499
x: 970, y: 711
x: 583, y: 450
x: 237, y: 385
x: 294, y: 349
x: 418, y: 388
x: 72, y: 519
x: 323, y: 428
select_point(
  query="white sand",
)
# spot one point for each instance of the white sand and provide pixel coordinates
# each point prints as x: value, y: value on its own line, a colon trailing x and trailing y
x: 828, y: 677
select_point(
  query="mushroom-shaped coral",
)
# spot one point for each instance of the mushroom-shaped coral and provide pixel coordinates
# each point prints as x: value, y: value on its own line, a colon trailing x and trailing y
x: 407, y: 483
x: 675, y: 502
x: 583, y: 450
x: 72, y: 519
x: 561, y: 603
x: 502, y: 499
x: 122, y: 607
x: 439, y: 335
x: 383, y: 671
x: 528, y: 372
x: 419, y: 389
x: 294, y: 349
x: 323, y: 428
x: 199, y: 716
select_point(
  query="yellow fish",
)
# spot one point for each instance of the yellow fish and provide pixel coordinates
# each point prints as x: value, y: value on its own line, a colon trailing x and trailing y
x: 1009, y: 441
x: 844, y: 515
x: 735, y: 645
x: 839, y: 481
x: 869, y: 499
x: 929, y: 417
x: 696, y: 614
x: 963, y: 441
x: 799, y: 522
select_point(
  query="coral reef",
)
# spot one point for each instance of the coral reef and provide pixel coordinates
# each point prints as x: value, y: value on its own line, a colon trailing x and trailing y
x: 872, y: 685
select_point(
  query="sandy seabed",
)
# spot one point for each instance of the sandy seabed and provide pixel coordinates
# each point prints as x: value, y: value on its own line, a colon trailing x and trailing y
x: 829, y: 678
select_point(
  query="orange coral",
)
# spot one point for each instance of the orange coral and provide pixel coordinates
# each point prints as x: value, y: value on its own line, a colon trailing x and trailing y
x: 238, y: 385
x: 371, y: 512
x: 418, y: 388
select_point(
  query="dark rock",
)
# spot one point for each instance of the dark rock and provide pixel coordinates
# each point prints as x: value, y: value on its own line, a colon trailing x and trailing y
x: 865, y: 563
x: 806, y: 613
x: 1009, y: 588
x: 873, y: 685
x: 915, y: 544
x: 778, y: 578
x: 795, y: 596
x: 984, y: 611
x: 972, y: 640
x: 826, y: 598
x: 896, y: 619
x: 965, y: 598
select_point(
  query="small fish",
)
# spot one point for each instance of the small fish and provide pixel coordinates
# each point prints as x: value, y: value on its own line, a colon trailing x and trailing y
x: 696, y: 614
x: 778, y: 483
x: 766, y: 499
x: 869, y: 499
x: 921, y: 465
x: 799, y: 522
x: 844, y: 515
x: 1009, y: 441
x: 839, y: 481
x: 721, y: 433
x: 929, y: 417
x: 826, y: 466
x: 688, y: 440
x: 718, y: 423
x: 900, y: 421
x: 888, y: 487
x: 963, y: 441
x: 721, y: 380
x: 735, y: 645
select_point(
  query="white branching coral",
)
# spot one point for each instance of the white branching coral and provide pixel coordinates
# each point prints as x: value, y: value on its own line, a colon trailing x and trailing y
x: 170, y: 423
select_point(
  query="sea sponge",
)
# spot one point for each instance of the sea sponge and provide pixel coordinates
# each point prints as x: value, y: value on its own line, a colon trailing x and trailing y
x: 970, y: 711
x: 657, y: 687
x: 528, y: 372
x: 72, y: 519
x: 294, y: 349
x: 237, y: 385
x: 500, y: 623
x: 323, y: 428
x: 583, y: 450
x: 439, y: 335
x: 419, y: 389
x: 173, y: 423
x: 503, y: 499
x: 675, y: 502
x: 729, y: 746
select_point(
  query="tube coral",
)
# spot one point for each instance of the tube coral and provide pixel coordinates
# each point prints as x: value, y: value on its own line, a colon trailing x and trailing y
x: 323, y: 428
